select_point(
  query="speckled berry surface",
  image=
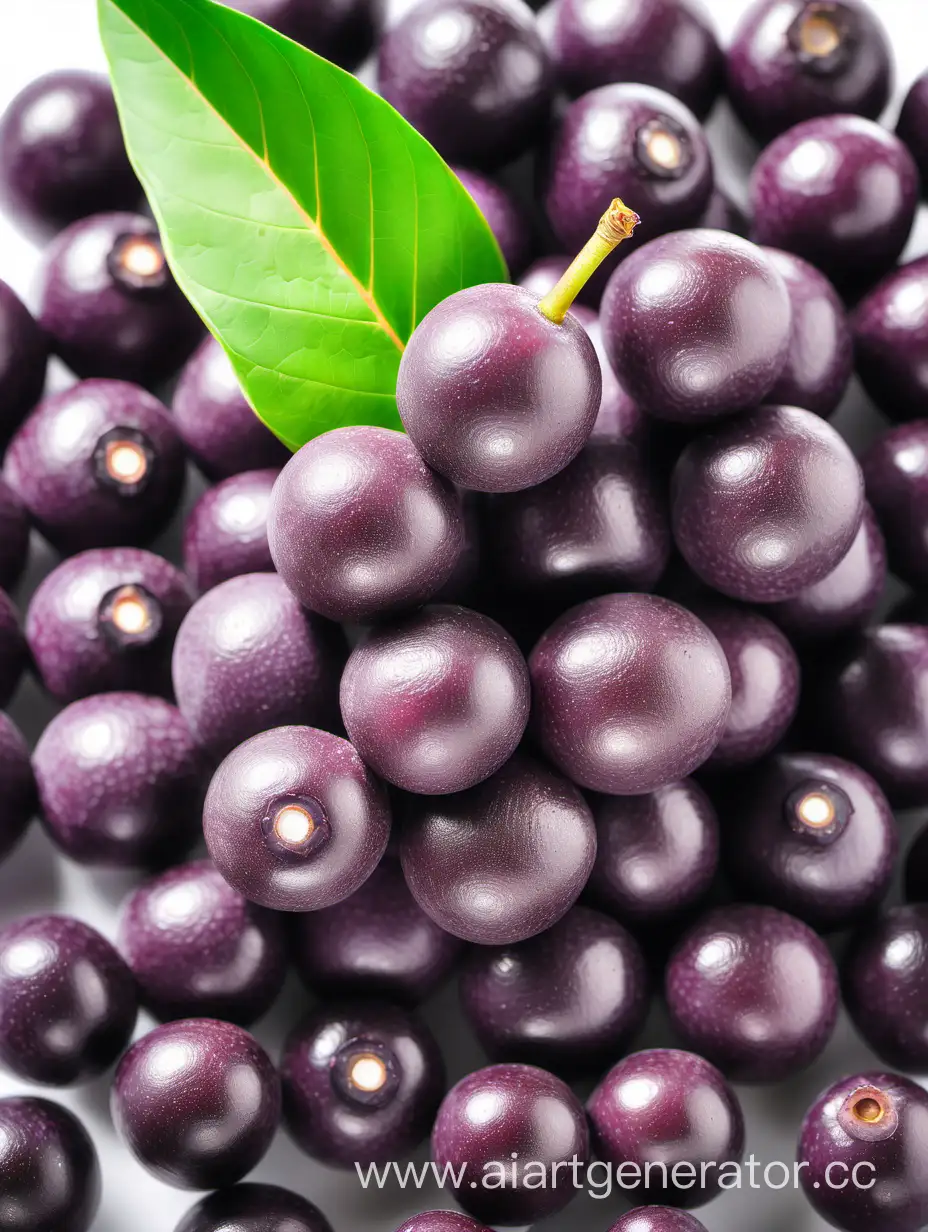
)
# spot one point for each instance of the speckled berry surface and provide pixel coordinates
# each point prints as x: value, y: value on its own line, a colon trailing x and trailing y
x: 51, y: 1173
x: 658, y: 1219
x: 890, y: 327
x: 14, y: 536
x: 225, y: 534
x: 23, y: 358
x: 14, y: 653
x: 912, y: 127
x: 507, y: 219
x: 896, y: 476
x: 17, y: 786
x: 442, y: 1221
x: 254, y: 1208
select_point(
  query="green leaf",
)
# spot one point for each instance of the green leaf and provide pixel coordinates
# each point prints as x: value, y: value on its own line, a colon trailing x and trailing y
x: 310, y: 226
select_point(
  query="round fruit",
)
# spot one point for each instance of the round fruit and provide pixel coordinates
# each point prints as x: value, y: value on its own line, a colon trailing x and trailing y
x: 23, y: 358
x: 14, y: 653
x: 890, y: 328
x: 14, y: 536
x: 254, y: 1208
x: 505, y: 217
x: 225, y: 534
x: 658, y: 1219
x: 896, y: 475
x: 916, y: 869
x: 442, y: 1221
x: 51, y: 1174
x: 339, y: 30
x: 886, y: 986
x: 913, y: 124
x: 17, y: 786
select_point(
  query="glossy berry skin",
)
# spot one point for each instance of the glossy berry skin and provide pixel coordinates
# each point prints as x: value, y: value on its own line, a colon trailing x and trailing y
x: 376, y: 943
x: 339, y: 30
x: 504, y: 1109
x: 508, y: 221
x: 494, y: 395
x: 568, y: 1000
x: 912, y: 127
x: 890, y: 328
x: 13, y: 651
x: 637, y: 138
x: 254, y: 1208
x: 755, y: 991
x: 566, y: 539
x: 213, y: 1119
x: 811, y: 195
x: 62, y: 466
x: 198, y: 949
x: 830, y: 875
x: 437, y: 701
x: 332, y: 1116
x: 342, y: 807
x: 658, y: 1219
x: 916, y: 869
x: 442, y: 1221
x: 670, y: 1106
x: 667, y: 44
x: 503, y: 861
x: 17, y: 786
x: 225, y: 534
x: 766, y: 505
x: 820, y: 358
x: 14, y: 536
x: 885, y: 1151
x: 886, y: 986
x: 77, y: 629
x: 51, y: 1174
x: 630, y: 692
x: 23, y: 359
x: 792, y: 61
x: 620, y: 417
x: 480, y: 97
x: 104, y: 319
x: 896, y: 476
x: 120, y: 781
x: 360, y: 527
x: 249, y: 657
x: 722, y: 305
x: 62, y: 153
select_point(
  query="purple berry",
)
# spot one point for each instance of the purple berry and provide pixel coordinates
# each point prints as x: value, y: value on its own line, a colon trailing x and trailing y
x: 294, y: 820
x: 568, y: 1000
x: 812, y: 194
x: 98, y: 465
x: 197, y: 1103
x: 916, y: 869
x: 812, y: 835
x: 766, y: 505
x: 120, y: 781
x: 913, y: 125
x: 620, y: 417
x: 360, y: 527
x: 793, y: 60
x: 51, y: 1174
x: 896, y: 475
x: 109, y: 303
x: 23, y: 358
x: 339, y: 30
x: 493, y: 394
x: 503, y: 861
x: 708, y: 296
x: 755, y: 991
x: 630, y: 692
x: 886, y: 986
x: 62, y: 153
x: 863, y: 1140
x: 471, y: 75
x: 14, y: 536
x: 254, y: 1208
x: 361, y: 1083
x: 506, y: 1109
x: 437, y: 701
x: 507, y: 219
x: 890, y: 327
x: 225, y: 534
x: 14, y: 654
x: 442, y: 1221
x: 249, y: 657
x: 673, y: 1111
x: 658, y: 1219
x: 378, y: 942
x: 17, y: 786
x: 198, y: 949
x: 105, y: 621
x: 68, y: 1002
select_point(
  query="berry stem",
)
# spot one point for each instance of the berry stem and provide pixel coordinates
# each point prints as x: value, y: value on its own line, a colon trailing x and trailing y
x: 616, y: 225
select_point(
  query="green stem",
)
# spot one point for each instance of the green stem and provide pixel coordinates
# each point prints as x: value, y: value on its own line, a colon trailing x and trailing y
x: 616, y: 225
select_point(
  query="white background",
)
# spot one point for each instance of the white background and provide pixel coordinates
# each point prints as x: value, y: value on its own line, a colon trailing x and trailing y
x: 35, y: 37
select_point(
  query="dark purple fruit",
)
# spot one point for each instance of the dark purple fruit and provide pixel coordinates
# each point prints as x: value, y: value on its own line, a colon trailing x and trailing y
x: 916, y: 869
x: 812, y: 835
x: 755, y: 991
x: 913, y: 125
x: 249, y: 657
x: 890, y: 327
x: 360, y: 527
x: 515, y: 1123
x: 17, y: 786
x: 339, y: 30
x: 568, y: 1000
x: 668, y: 44
x: 505, y: 217
x: 62, y: 154
x: 442, y: 1221
x: 50, y: 1170
x: 673, y: 1111
x: 630, y: 692
x: 361, y: 1083
x: 197, y: 1103
x: 376, y: 943
x: 886, y: 986
x: 658, y: 1219
x: 493, y: 394
x: 110, y: 305
x: 14, y: 536
x: 766, y: 505
x: 620, y: 417
x: 105, y: 621
x: 14, y: 654
x: 120, y: 781
x: 863, y: 1141
x: 68, y: 1002
x: 812, y: 194
x: 225, y: 534
x: 254, y: 1208
x: 896, y: 475
x: 294, y: 820
x: 710, y: 297
x: 437, y: 701
x: 471, y: 75
x: 198, y: 949
x: 503, y: 861
x: 23, y: 358
x: 793, y: 60
x: 98, y: 465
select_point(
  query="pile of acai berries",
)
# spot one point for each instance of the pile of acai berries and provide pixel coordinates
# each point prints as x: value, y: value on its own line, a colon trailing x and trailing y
x: 583, y: 689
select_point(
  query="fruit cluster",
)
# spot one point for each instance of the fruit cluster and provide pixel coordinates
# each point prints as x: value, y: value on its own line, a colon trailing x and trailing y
x: 583, y: 684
